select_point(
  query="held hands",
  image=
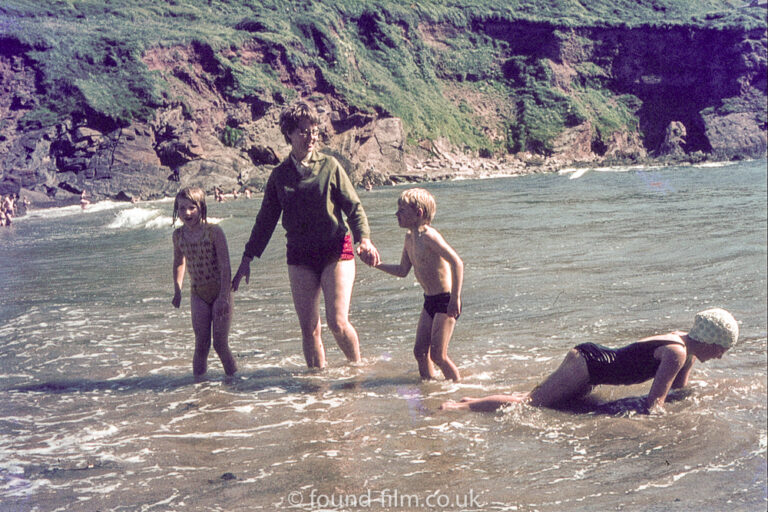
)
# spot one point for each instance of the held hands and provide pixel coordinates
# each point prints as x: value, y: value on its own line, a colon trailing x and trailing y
x: 368, y: 253
x: 244, y: 270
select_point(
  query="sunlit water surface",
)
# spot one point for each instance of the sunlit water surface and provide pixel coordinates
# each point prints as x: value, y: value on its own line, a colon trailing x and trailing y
x: 100, y: 411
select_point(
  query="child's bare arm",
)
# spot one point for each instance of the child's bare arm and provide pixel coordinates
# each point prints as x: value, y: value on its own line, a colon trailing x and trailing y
x: 222, y: 257
x: 179, y: 266
x: 438, y: 244
x: 399, y: 270
x: 222, y: 303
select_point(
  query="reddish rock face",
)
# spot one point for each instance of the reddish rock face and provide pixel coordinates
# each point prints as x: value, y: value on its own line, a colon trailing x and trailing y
x: 695, y: 93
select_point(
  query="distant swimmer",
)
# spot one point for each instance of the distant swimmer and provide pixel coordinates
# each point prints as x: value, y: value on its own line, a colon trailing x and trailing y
x: 665, y: 358
x: 202, y: 249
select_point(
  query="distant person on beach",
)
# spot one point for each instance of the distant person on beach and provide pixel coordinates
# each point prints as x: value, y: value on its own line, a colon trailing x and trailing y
x: 9, y: 206
x: 313, y: 194
x: 665, y: 358
x: 202, y: 249
x: 84, y: 199
x: 440, y: 272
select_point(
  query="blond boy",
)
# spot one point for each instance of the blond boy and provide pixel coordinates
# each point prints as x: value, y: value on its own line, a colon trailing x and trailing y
x: 440, y: 272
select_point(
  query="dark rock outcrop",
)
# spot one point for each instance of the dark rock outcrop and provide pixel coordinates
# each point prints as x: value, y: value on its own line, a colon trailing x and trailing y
x: 704, y: 99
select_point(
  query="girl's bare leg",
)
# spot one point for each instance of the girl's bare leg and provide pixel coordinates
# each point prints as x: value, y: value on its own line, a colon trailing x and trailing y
x: 337, y: 281
x: 423, y: 344
x: 221, y: 324
x: 201, y: 325
x: 442, y: 330
x: 305, y: 288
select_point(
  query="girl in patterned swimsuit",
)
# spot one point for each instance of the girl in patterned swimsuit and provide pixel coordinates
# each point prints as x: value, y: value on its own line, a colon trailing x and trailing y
x: 665, y: 358
x: 202, y: 249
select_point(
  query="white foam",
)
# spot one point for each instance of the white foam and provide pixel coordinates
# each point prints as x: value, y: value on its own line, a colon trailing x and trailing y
x: 136, y: 217
x: 67, y: 211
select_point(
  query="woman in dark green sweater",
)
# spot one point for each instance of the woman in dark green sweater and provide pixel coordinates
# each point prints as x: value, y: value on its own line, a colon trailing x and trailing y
x: 313, y: 194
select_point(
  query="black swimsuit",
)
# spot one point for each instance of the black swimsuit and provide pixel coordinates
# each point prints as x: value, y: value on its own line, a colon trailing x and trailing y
x: 622, y: 366
x: 437, y: 303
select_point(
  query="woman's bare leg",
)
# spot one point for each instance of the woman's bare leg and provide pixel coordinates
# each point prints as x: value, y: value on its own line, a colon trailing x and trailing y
x: 571, y: 379
x: 305, y: 289
x: 337, y: 281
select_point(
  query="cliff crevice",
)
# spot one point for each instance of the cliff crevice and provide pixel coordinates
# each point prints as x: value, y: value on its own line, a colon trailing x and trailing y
x: 490, y: 96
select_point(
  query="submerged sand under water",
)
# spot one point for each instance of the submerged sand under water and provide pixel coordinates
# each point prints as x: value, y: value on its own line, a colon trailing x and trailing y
x: 100, y: 411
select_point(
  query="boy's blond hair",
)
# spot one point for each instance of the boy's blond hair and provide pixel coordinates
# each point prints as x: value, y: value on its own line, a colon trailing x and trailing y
x: 293, y: 114
x: 420, y: 198
x: 197, y: 196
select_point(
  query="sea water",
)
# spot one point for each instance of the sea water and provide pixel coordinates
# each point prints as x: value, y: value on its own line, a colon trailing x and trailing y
x: 99, y: 410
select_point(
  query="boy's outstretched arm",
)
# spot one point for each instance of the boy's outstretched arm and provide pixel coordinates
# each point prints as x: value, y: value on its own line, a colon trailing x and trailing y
x: 179, y: 266
x: 399, y: 270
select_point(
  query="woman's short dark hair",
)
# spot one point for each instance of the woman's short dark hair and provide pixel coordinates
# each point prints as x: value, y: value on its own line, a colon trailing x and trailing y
x: 292, y: 115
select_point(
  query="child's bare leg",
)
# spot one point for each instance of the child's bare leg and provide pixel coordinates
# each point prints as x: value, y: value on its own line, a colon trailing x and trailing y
x: 422, y: 346
x: 442, y: 330
x: 201, y: 325
x: 337, y: 281
x: 221, y: 324
x: 305, y: 289
x: 571, y: 379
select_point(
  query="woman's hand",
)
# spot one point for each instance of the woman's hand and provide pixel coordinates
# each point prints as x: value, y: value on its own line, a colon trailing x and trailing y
x: 176, y: 301
x: 368, y: 252
x: 244, y: 270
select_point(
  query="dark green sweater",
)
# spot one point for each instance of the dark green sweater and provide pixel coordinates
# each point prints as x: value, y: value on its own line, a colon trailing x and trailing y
x: 311, y: 207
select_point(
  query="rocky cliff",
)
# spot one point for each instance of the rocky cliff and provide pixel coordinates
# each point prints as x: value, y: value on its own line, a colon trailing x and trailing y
x: 630, y: 94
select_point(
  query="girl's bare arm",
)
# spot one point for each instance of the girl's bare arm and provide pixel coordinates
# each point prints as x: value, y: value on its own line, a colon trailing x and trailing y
x: 179, y: 266
x: 222, y: 257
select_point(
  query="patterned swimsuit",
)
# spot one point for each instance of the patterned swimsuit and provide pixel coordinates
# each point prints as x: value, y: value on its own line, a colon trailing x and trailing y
x: 202, y: 264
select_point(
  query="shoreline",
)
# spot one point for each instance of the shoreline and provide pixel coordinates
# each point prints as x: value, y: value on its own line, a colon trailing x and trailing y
x: 433, y: 170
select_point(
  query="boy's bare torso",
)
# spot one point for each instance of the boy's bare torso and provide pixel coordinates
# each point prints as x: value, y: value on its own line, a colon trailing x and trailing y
x: 432, y: 271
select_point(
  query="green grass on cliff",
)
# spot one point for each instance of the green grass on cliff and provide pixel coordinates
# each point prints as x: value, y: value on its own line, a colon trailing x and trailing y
x: 373, y: 54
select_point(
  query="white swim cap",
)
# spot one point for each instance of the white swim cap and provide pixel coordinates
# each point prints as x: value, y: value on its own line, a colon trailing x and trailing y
x: 716, y: 326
